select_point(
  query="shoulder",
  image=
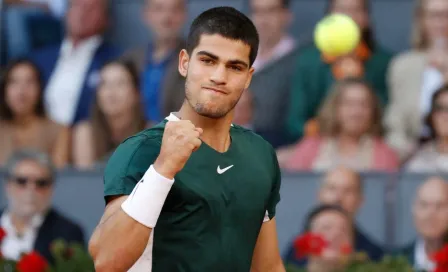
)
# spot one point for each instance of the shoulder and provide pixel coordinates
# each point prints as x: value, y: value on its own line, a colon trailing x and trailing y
x: 61, y: 222
x: 406, y: 58
x: 40, y: 56
x: 251, y: 137
x: 108, y: 48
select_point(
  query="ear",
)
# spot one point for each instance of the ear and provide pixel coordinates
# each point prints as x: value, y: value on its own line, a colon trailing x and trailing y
x: 184, y: 60
x: 249, y: 78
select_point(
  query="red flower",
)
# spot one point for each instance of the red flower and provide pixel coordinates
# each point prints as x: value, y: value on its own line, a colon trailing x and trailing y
x: 32, y: 262
x: 2, y: 234
x: 309, y: 244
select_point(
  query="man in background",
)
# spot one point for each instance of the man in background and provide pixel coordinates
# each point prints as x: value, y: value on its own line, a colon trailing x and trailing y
x: 162, y: 86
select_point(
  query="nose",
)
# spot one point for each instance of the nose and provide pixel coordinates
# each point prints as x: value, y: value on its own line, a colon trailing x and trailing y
x: 219, y: 75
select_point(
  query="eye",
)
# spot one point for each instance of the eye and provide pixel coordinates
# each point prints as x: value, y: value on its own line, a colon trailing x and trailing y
x: 236, y: 68
x: 207, y: 61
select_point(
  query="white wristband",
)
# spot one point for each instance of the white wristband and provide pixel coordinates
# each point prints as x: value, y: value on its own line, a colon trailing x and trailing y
x: 145, y: 202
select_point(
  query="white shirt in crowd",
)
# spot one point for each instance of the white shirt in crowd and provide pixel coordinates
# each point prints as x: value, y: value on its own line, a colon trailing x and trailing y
x: 67, y: 81
x: 14, y: 245
x: 432, y: 80
x: 422, y: 262
x: 57, y: 7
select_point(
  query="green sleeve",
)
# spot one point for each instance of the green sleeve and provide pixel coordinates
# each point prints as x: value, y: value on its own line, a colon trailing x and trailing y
x: 128, y: 164
x: 274, y: 198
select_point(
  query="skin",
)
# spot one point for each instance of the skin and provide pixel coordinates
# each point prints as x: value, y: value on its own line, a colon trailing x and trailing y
x: 217, y: 72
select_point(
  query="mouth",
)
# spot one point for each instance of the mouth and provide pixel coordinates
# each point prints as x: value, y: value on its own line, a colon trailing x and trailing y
x: 214, y: 90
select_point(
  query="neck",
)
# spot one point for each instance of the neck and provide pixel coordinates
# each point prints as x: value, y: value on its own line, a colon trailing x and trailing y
x: 24, y: 121
x: 215, y: 131
x: 432, y: 245
x: 348, y: 142
x: 20, y: 222
x: 163, y: 47
x: 442, y: 145
x: 120, y: 125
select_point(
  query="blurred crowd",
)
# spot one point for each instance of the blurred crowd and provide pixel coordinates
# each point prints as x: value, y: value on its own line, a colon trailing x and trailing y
x: 75, y: 100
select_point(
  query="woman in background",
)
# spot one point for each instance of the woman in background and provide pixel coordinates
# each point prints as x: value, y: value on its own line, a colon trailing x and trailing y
x: 23, y: 121
x: 350, y: 134
x: 116, y: 115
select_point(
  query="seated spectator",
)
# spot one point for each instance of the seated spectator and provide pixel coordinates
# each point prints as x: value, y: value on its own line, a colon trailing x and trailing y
x: 117, y: 114
x: 157, y: 62
x: 29, y: 221
x: 23, y: 122
x: 431, y: 221
x: 349, y: 134
x: 17, y: 14
x: 343, y: 187
x: 244, y: 110
x: 415, y: 75
x: 316, y: 72
x: 274, y: 68
x: 70, y: 69
x: 333, y: 224
x: 433, y: 155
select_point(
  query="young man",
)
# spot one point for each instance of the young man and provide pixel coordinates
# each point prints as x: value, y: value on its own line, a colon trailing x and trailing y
x: 210, y: 186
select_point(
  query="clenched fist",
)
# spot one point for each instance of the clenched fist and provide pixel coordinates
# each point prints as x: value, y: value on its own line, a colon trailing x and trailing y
x: 180, y: 139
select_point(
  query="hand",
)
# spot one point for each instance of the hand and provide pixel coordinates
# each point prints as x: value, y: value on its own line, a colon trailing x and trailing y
x: 180, y: 140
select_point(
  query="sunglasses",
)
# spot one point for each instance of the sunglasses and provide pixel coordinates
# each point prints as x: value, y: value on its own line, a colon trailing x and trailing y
x: 39, y: 183
x: 440, y: 108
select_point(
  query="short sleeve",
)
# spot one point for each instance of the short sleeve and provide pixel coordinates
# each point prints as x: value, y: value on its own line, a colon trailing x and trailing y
x: 128, y: 164
x: 274, y: 198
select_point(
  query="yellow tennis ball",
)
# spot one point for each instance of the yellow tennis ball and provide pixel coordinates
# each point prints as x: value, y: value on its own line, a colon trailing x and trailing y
x: 337, y: 35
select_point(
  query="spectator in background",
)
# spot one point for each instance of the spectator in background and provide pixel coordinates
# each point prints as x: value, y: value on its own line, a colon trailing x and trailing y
x: 17, y: 14
x: 431, y: 221
x: 416, y: 74
x: 317, y: 72
x: 71, y: 69
x: 23, y: 122
x: 117, y: 114
x: 350, y: 134
x: 333, y: 224
x: 272, y: 19
x: 29, y: 221
x: 244, y: 110
x: 162, y: 85
x: 274, y: 68
x: 433, y: 155
x: 343, y: 187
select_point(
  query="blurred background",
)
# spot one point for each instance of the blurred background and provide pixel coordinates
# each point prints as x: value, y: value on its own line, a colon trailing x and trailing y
x: 367, y: 131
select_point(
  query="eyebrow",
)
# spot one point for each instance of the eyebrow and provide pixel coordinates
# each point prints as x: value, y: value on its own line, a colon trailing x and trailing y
x: 214, y: 57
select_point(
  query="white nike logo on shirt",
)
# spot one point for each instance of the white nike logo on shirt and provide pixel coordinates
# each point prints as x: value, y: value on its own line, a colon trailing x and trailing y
x: 220, y: 171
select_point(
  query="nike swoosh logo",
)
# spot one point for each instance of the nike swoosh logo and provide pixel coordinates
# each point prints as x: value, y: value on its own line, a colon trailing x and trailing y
x: 220, y: 171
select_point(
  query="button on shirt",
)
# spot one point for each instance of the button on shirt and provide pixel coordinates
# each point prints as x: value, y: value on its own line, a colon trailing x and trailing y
x: 14, y: 245
x: 152, y: 78
x: 67, y: 81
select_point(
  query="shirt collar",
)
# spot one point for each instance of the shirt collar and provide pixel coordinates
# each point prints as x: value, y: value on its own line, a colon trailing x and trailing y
x: 421, y: 258
x: 173, y: 117
x: 89, y: 43
x: 35, y: 222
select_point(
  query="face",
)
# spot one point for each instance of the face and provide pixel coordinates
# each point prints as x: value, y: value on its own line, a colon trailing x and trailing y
x: 440, y: 116
x: 353, y: 8
x: 22, y: 90
x: 29, y: 190
x: 435, y: 19
x: 271, y: 19
x: 431, y: 210
x: 336, y: 230
x: 341, y: 187
x: 86, y: 18
x: 116, y: 94
x: 165, y: 18
x: 217, y: 73
x: 355, y: 110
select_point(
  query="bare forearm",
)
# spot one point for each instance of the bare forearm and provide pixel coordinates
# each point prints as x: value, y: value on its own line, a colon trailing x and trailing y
x: 118, y: 242
x: 277, y: 267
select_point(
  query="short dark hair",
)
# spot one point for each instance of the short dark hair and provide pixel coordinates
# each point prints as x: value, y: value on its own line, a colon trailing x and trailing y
x: 321, y: 209
x: 286, y: 3
x: 5, y: 110
x: 227, y: 22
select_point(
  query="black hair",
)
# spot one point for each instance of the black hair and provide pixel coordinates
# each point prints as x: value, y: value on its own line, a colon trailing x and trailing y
x: 286, y: 3
x: 227, y: 22
x: 321, y: 209
x: 367, y: 35
x: 428, y: 121
x: 5, y: 110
